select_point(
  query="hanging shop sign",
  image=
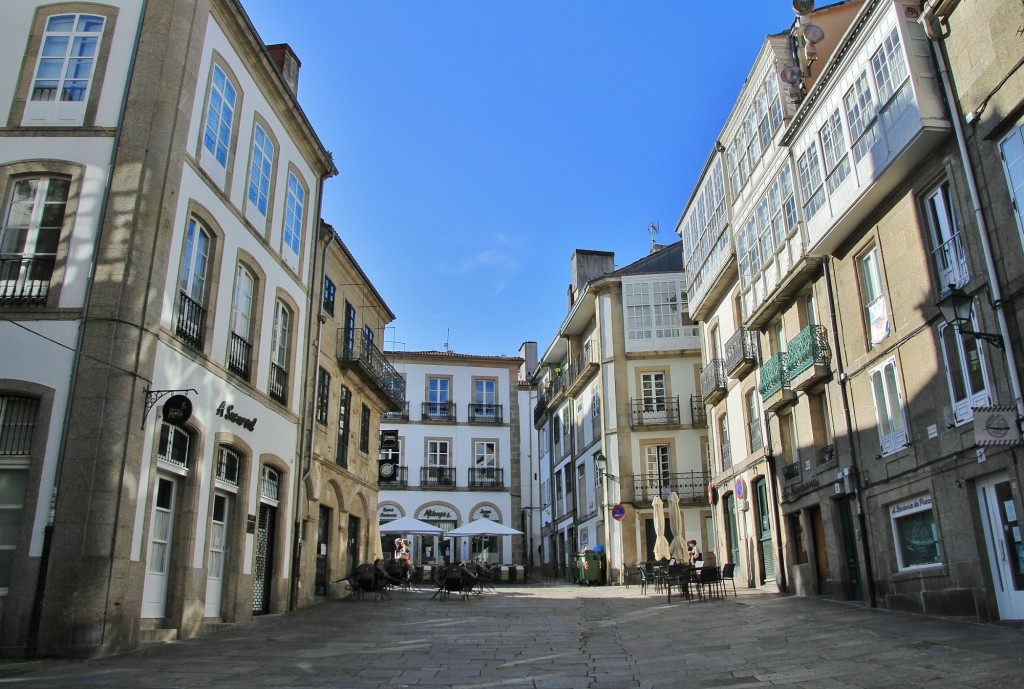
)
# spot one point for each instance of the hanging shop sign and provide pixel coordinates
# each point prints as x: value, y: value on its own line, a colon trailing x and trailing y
x: 996, y: 426
x: 227, y: 411
x: 177, y: 410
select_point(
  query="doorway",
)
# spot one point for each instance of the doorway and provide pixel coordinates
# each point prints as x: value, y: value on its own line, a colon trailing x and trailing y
x: 215, y: 558
x: 1003, y: 542
x: 850, y: 547
x: 323, y: 530
x: 263, y: 568
x: 764, y: 522
x: 158, y: 558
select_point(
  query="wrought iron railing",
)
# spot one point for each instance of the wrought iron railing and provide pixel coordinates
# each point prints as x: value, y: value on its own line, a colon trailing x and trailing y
x: 438, y: 411
x: 399, y: 478
x: 810, y: 347
x: 239, y: 356
x: 582, y: 363
x: 688, y: 485
x: 773, y: 375
x: 487, y: 477
x: 485, y: 413
x: 25, y: 280
x: 374, y: 363
x: 698, y: 412
x: 754, y: 431
x: 713, y: 378
x: 190, y: 321
x: 400, y: 415
x: 437, y: 476
x: 655, y: 412
x: 540, y: 409
x: 278, y: 383
x: 741, y: 347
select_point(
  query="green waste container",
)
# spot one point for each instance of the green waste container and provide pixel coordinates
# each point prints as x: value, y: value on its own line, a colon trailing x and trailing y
x: 588, y: 568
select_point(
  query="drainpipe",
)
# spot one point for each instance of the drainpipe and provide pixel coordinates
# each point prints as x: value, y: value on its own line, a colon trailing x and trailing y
x: 979, y: 216
x: 35, y: 617
x: 845, y: 395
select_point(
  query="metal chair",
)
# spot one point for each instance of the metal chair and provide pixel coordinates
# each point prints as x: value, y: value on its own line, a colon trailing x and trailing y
x: 711, y: 579
x: 681, y: 576
x: 728, y: 569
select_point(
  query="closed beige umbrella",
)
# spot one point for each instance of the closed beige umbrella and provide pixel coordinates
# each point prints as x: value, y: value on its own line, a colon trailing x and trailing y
x: 661, y: 551
x: 675, y: 519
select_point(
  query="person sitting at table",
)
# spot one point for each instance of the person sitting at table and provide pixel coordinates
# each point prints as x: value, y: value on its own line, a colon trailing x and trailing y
x: 694, y: 552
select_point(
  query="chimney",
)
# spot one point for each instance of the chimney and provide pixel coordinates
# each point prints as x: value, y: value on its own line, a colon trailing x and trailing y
x: 287, y: 64
x: 587, y: 265
x: 528, y: 351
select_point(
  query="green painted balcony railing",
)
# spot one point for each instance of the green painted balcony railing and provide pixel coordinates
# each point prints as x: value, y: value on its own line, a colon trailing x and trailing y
x: 808, y: 348
x: 774, y: 375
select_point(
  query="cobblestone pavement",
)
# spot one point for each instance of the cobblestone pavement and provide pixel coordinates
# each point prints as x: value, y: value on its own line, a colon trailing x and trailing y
x: 563, y: 637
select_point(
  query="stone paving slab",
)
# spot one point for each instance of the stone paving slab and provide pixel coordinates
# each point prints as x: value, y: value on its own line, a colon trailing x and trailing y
x: 563, y: 637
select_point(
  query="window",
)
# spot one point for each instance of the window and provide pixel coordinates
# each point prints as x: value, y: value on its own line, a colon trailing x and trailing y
x: 174, y: 445
x: 344, y: 418
x: 1011, y: 150
x: 765, y: 231
x: 240, y: 347
x: 892, y: 431
x: 873, y: 295
x: 754, y: 136
x: 658, y: 465
x: 788, y: 439
x: 485, y: 398
x: 965, y: 372
x: 437, y: 453
x: 260, y: 173
x: 280, y: 353
x: 833, y: 145
x: 821, y: 426
x: 329, y: 295
x: 220, y: 117
x: 653, y: 309
x: 808, y: 171
x: 949, y: 257
x: 65, y: 71
x: 364, y: 429
x: 194, y: 275
x: 270, y: 483
x: 915, y: 534
x: 17, y: 431
x: 438, y: 397
x: 653, y: 389
x: 581, y: 489
x: 291, y: 239
x: 350, y: 331
x: 638, y: 312
x: 889, y: 67
x: 723, y: 441
x: 228, y: 463
x: 754, y: 422
x: 323, y: 395
x: 860, y: 112
x: 33, y: 220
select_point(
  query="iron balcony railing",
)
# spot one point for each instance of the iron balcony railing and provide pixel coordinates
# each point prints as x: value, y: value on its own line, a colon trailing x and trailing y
x: 437, y: 476
x: 400, y: 415
x: 690, y: 486
x: 399, y: 478
x: 740, y: 349
x: 698, y: 412
x: 487, y: 477
x: 540, y: 410
x: 239, y: 356
x: 438, y: 411
x: 25, y: 280
x: 754, y: 430
x: 372, y: 361
x: 485, y: 413
x: 808, y: 348
x: 774, y: 375
x: 713, y: 379
x: 190, y: 321
x: 278, y: 383
x: 582, y: 365
x: 655, y: 412
x: 791, y: 471
x: 951, y: 264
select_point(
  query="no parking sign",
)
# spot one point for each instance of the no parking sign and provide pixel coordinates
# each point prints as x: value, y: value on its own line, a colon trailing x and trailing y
x: 618, y: 513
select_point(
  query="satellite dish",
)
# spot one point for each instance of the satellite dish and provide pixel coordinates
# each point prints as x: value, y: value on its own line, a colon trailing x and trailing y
x: 803, y: 6
x: 791, y: 75
x: 813, y: 34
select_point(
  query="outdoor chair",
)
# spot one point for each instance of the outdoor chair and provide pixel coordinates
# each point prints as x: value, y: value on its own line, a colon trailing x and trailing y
x: 680, y: 576
x: 710, y: 578
x: 642, y: 573
x: 728, y: 570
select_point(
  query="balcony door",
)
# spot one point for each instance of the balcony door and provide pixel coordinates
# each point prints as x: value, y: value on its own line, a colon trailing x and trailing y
x: 652, y: 389
x: 29, y: 238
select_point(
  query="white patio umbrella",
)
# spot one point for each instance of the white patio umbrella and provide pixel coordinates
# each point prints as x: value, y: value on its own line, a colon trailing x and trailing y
x: 661, y: 551
x: 484, y: 527
x: 411, y: 526
x: 675, y: 519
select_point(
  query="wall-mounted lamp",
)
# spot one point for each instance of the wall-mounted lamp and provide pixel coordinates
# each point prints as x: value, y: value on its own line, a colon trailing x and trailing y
x: 956, y: 309
x: 601, y: 463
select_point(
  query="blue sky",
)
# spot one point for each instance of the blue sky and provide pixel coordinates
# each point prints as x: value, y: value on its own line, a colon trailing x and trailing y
x: 480, y: 142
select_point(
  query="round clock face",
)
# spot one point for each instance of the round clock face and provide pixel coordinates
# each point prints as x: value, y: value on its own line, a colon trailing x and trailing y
x: 387, y: 469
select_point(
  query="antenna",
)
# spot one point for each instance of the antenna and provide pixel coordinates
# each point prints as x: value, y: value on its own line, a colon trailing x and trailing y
x: 653, y: 229
x: 447, y: 337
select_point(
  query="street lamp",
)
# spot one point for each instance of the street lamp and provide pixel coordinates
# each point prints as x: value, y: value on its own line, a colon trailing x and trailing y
x: 956, y: 309
x: 600, y: 462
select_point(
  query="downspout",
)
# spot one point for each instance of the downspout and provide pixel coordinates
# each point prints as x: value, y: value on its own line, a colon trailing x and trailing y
x: 847, y: 416
x: 979, y: 216
x: 44, y: 560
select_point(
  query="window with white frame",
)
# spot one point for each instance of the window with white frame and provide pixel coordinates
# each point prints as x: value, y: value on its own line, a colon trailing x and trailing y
x: 754, y: 136
x: 323, y: 395
x: 1011, y: 150
x: 766, y: 229
x: 652, y: 389
x: 485, y: 454
x: 222, y: 99
x: 833, y: 146
x: 892, y: 427
x: 195, y: 266
x: 723, y: 441
x: 965, y: 372
x: 65, y: 71
x: 703, y: 227
x: 33, y: 220
x: 808, y: 171
x: 638, y: 311
x: 240, y: 338
x: 228, y: 465
x: 889, y: 66
x: 17, y: 432
x: 280, y: 353
x: 658, y: 468
x: 665, y: 303
x: 860, y: 113
x: 295, y: 205
x: 876, y: 312
x: 174, y: 446
x: 581, y: 490
x: 652, y: 310
x: 949, y: 258
x: 438, y: 454
x: 915, y: 534
x: 260, y: 172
